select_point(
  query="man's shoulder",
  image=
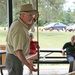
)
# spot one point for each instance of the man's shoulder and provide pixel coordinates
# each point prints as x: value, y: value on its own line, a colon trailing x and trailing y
x: 15, y: 22
x: 68, y: 43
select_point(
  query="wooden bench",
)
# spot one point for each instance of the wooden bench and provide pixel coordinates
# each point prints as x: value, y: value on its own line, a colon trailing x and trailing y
x: 2, y: 65
x: 2, y: 58
x: 51, y: 59
x: 51, y: 62
x: 46, y: 59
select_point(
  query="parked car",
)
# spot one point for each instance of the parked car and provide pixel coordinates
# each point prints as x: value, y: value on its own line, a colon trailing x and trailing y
x: 71, y: 27
x: 55, y: 26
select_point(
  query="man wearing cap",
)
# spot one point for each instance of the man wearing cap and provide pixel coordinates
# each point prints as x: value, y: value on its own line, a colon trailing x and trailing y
x: 18, y: 41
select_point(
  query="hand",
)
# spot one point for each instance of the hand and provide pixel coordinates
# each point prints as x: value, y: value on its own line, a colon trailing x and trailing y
x: 63, y: 53
x: 36, y: 16
x: 31, y: 67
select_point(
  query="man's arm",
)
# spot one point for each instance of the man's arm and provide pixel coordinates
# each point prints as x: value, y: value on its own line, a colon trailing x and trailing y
x: 20, y: 55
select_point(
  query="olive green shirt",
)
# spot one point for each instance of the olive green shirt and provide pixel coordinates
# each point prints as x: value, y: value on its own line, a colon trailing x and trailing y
x: 18, y: 38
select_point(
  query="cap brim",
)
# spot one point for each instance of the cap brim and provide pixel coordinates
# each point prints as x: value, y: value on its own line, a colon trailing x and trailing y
x: 30, y: 12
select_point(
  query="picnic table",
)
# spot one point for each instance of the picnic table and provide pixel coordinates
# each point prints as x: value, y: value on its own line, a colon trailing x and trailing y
x: 2, y: 65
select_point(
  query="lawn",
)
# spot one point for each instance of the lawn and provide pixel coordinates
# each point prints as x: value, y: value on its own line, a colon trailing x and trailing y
x: 53, y: 39
x: 47, y: 39
x: 3, y: 34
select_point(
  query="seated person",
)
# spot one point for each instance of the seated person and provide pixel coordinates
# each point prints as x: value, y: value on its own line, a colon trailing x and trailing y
x: 70, y: 49
x: 33, y: 47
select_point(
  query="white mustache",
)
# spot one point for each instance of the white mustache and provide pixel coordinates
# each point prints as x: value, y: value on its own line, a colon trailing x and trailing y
x: 30, y: 22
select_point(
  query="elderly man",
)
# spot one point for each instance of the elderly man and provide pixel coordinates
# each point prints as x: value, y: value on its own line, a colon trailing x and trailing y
x: 18, y: 41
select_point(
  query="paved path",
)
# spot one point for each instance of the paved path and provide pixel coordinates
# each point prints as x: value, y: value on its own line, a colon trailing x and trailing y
x: 47, y: 70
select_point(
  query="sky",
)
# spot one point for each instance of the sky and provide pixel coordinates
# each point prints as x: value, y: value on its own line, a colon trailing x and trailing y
x: 69, y: 4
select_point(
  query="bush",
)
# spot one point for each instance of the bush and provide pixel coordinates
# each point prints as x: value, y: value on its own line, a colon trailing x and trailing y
x: 40, y: 22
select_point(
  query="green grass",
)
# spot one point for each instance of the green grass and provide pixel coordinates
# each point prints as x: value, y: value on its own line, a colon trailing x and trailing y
x: 47, y: 39
x: 3, y: 34
x: 53, y: 39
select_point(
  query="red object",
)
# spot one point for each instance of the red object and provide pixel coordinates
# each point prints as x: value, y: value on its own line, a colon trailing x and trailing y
x: 33, y: 47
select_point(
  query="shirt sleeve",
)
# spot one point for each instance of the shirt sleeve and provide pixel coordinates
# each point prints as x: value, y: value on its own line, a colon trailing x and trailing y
x: 64, y: 46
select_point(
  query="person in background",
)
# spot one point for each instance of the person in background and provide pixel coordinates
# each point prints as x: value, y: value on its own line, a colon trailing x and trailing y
x: 70, y: 49
x: 18, y: 41
x: 33, y: 55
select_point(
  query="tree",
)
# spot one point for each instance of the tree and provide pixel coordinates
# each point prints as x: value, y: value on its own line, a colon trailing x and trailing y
x: 49, y: 10
x: 3, y: 12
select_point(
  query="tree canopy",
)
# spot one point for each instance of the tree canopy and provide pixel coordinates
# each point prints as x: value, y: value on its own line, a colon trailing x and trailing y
x: 49, y: 10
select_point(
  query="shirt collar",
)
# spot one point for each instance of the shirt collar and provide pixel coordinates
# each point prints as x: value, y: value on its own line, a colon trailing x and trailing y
x: 22, y: 23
